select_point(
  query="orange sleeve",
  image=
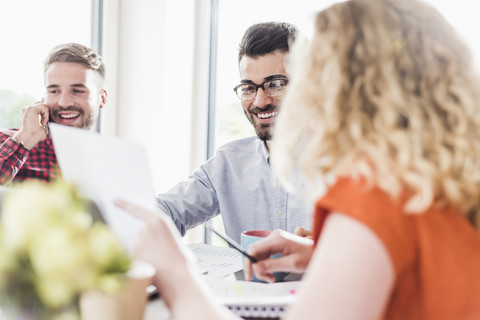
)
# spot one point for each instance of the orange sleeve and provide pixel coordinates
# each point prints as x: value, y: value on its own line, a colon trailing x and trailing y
x: 375, y: 209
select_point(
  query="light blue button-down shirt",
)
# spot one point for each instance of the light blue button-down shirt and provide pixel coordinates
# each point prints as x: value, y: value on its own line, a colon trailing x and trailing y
x: 238, y: 184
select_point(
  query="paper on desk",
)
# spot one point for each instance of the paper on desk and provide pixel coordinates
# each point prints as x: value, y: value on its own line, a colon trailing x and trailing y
x: 250, y: 292
x: 217, y: 261
x: 254, y: 299
x: 104, y: 169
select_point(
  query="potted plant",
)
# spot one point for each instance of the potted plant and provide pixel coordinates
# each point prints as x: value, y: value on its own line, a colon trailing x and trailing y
x: 52, y: 250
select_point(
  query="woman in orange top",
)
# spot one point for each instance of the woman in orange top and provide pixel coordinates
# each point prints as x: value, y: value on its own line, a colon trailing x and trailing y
x: 383, y: 111
x: 391, y: 104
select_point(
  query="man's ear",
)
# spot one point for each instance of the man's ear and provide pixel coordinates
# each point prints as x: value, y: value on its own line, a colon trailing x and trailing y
x: 103, y: 98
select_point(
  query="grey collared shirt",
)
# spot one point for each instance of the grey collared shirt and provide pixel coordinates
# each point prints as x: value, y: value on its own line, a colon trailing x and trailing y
x: 238, y: 184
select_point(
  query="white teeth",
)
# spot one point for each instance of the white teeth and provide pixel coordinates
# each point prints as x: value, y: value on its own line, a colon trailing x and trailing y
x: 69, y: 116
x: 267, y: 115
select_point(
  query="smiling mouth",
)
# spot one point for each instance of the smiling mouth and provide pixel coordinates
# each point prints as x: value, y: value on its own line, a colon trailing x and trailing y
x: 267, y: 115
x: 69, y: 116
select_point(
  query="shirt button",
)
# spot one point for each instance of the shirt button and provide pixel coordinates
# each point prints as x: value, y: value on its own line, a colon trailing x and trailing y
x: 280, y: 214
x: 10, y: 149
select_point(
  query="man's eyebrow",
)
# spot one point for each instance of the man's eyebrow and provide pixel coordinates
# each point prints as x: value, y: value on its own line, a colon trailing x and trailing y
x: 275, y: 76
x: 76, y: 85
x: 269, y: 78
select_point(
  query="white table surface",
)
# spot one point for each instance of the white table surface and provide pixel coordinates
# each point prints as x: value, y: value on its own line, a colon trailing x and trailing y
x: 156, y: 310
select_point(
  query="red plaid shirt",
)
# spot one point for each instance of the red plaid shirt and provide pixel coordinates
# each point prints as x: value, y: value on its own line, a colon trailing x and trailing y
x: 18, y: 164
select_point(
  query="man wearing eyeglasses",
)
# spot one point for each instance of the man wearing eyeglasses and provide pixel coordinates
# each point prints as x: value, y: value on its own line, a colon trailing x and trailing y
x: 238, y: 182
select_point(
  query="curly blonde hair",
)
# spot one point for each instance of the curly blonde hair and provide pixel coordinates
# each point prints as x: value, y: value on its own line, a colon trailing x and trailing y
x: 384, y: 91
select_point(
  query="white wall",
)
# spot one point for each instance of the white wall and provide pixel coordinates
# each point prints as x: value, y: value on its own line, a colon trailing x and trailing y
x: 157, y: 95
x: 158, y: 91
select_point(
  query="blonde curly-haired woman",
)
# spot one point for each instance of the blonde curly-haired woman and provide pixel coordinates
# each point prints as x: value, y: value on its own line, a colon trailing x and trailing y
x: 382, y: 110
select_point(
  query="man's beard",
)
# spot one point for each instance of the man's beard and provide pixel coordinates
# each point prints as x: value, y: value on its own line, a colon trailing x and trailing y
x: 263, y: 131
x: 86, y: 122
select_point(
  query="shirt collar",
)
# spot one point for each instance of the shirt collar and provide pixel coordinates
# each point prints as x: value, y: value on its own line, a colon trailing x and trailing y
x: 266, y: 153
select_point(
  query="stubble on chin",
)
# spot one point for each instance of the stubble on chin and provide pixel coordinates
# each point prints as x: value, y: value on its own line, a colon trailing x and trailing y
x: 88, y: 122
x: 264, y: 132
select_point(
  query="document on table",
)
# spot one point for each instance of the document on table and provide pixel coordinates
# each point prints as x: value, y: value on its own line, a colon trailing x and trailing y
x: 245, y: 298
x: 105, y: 169
x: 255, y: 299
x: 217, y: 261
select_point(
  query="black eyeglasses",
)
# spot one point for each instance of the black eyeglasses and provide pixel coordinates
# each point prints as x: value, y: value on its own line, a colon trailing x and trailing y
x: 272, y: 88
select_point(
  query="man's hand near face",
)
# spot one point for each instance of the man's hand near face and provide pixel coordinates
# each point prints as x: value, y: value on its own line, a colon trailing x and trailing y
x: 34, y: 120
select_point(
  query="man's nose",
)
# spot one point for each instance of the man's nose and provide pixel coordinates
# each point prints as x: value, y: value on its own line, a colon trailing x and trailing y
x: 65, y: 99
x: 261, y: 99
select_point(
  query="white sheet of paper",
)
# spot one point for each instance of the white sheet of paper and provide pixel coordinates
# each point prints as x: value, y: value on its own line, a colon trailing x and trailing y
x: 217, y: 261
x: 105, y: 169
x: 255, y: 299
x: 250, y: 291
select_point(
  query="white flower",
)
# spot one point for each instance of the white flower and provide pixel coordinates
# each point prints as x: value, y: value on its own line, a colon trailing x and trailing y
x: 48, y: 244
